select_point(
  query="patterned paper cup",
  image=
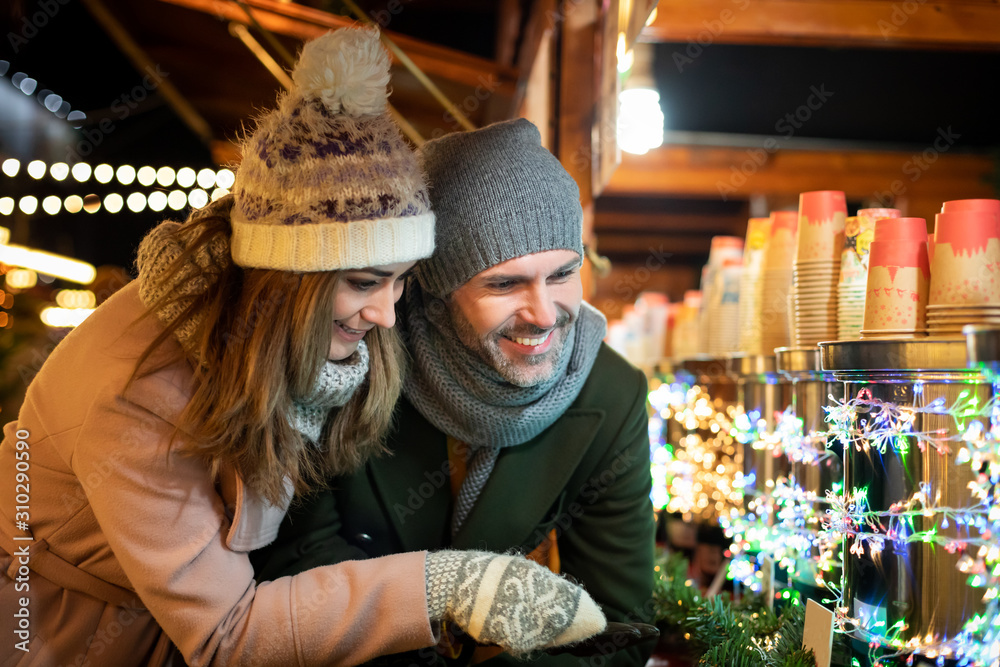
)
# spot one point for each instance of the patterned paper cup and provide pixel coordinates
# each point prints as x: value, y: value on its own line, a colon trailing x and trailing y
x: 965, y: 275
x: 874, y: 214
x: 859, y: 232
x: 901, y: 229
x: 822, y: 217
x: 966, y: 229
x: 959, y: 205
x: 898, y: 279
x: 780, y: 250
x: 896, y: 299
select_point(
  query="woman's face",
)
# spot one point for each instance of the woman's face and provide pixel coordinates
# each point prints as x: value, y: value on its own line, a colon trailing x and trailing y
x: 365, y: 298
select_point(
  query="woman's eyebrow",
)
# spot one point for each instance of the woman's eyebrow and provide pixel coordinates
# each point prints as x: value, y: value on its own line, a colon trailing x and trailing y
x: 378, y: 273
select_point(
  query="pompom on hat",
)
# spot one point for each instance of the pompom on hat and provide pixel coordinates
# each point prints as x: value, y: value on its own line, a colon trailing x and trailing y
x: 327, y: 181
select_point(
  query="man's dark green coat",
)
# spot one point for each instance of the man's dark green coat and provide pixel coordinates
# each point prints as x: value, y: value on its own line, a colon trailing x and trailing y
x: 587, y: 476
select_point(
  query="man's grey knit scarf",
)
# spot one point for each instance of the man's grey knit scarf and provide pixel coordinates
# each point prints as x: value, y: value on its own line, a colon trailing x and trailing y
x: 337, y: 381
x: 462, y: 396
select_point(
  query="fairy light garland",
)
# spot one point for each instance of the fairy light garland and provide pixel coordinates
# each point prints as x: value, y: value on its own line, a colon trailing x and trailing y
x: 702, y: 478
x: 801, y: 534
x: 782, y: 521
x: 866, y: 424
x: 665, y: 400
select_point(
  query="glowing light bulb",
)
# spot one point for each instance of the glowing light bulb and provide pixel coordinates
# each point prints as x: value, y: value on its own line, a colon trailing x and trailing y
x: 81, y: 171
x: 146, y: 175
x: 165, y: 176
x: 206, y: 178
x: 51, y: 204
x: 59, y: 171
x: 28, y: 204
x: 225, y: 178
x: 197, y: 198
x: 157, y: 201
x: 186, y: 177
x: 136, y: 202
x: 104, y: 173
x: 125, y: 174
x: 36, y: 169
x: 92, y: 203
x: 73, y: 204
x: 113, y: 202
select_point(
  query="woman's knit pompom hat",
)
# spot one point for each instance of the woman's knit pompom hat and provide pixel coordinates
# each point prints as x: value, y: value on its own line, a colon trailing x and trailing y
x: 326, y: 180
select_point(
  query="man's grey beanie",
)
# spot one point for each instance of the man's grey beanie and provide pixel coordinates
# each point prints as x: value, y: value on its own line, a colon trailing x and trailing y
x: 497, y: 194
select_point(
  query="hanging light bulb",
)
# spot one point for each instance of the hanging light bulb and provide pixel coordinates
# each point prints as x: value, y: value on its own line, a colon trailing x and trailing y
x: 640, y: 117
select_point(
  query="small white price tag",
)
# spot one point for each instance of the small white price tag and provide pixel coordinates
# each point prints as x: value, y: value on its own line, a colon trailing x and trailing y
x: 818, y: 632
x: 767, y: 579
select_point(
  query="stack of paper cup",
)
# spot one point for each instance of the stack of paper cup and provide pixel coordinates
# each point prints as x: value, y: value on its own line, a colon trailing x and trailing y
x: 770, y: 318
x: 858, y: 234
x: 686, y: 331
x: 654, y: 307
x: 758, y: 234
x: 723, y: 249
x: 965, y: 272
x: 723, y: 312
x: 898, y: 280
x: 816, y: 272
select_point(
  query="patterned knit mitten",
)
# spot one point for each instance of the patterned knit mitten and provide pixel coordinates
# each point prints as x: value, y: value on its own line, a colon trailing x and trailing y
x: 508, y: 600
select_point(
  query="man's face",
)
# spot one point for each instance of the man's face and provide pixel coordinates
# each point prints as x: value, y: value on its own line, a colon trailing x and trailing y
x: 517, y: 315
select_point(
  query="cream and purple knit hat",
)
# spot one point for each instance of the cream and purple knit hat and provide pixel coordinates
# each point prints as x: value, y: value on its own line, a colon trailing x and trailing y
x: 327, y: 181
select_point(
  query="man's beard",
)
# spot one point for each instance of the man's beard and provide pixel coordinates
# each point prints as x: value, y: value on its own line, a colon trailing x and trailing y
x: 528, y: 370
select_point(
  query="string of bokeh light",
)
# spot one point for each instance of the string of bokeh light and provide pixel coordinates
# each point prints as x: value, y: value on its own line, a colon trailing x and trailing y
x: 49, y: 100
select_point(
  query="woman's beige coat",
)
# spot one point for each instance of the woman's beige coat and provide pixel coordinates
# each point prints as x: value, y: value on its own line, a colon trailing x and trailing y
x: 131, y: 536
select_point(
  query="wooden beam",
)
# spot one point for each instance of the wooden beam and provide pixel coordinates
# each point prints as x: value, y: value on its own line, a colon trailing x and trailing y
x: 970, y: 24
x: 536, y: 36
x: 508, y: 15
x: 738, y: 173
x: 636, y: 247
x: 624, y: 222
x: 301, y: 22
x: 577, y: 98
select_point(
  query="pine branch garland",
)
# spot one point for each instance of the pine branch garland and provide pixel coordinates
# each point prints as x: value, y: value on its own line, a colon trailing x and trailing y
x: 745, y: 634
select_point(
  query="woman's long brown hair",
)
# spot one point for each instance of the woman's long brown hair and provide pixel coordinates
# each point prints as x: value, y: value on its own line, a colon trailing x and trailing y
x: 262, y: 340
